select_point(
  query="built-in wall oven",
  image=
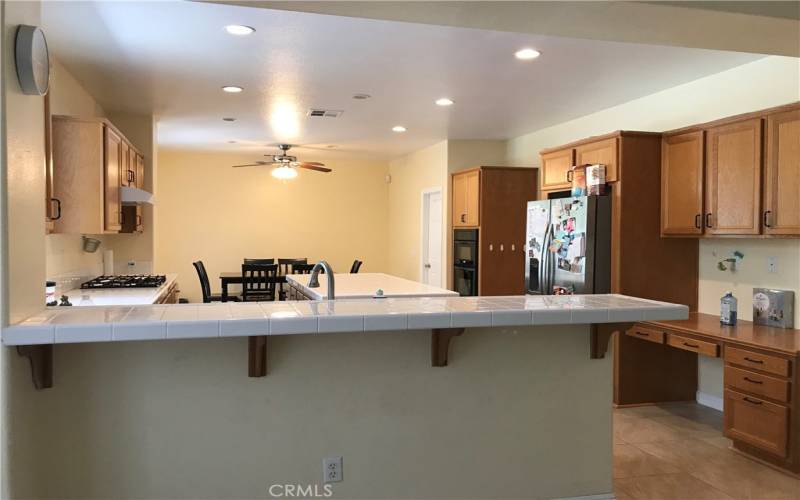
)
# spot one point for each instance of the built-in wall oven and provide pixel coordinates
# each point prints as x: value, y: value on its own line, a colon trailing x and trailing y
x: 465, y: 262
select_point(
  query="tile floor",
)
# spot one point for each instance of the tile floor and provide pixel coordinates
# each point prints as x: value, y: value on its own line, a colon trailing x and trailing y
x: 678, y: 452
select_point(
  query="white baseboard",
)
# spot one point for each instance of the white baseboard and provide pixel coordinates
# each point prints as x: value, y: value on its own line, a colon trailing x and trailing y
x: 604, y: 496
x: 709, y: 400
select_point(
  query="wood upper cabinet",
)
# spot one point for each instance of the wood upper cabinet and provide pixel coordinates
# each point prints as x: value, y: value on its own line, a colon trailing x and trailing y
x: 782, y: 174
x: 555, y: 166
x: 682, y: 184
x: 113, y: 168
x: 733, y: 178
x: 139, y: 172
x: 605, y: 152
x: 466, y: 198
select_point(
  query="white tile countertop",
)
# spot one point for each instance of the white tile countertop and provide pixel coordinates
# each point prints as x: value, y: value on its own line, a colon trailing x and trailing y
x: 119, y: 296
x: 364, y: 286
x: 232, y: 319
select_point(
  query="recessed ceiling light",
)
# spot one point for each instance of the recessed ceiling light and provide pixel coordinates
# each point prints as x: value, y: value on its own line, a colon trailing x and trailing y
x: 233, y: 89
x: 527, y: 54
x: 444, y: 101
x: 361, y: 97
x: 330, y: 146
x: 239, y: 29
x: 398, y: 128
x: 229, y: 119
x: 231, y: 142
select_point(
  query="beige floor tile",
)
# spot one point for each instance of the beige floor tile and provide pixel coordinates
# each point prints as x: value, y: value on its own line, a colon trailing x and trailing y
x: 647, y: 430
x: 630, y: 461
x: 726, y: 471
x: 646, y: 411
x: 680, y: 486
x: 697, y: 429
x: 719, y: 441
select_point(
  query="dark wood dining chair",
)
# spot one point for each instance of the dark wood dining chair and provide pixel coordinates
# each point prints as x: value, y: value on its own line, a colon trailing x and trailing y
x: 302, y: 268
x: 285, y: 265
x: 205, y: 286
x: 356, y: 266
x: 259, y: 282
x: 259, y: 261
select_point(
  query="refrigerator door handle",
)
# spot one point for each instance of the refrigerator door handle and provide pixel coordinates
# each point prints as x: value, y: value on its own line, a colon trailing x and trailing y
x: 542, y: 260
x: 546, y: 288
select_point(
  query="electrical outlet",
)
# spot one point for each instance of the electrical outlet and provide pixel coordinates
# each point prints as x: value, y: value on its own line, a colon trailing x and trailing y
x: 332, y: 469
x: 772, y: 264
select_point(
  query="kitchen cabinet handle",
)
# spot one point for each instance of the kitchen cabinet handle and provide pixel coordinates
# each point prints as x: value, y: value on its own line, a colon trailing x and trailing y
x: 766, y: 218
x: 698, y: 223
x: 759, y: 382
x: 642, y: 334
x: 708, y: 220
x: 752, y: 401
x: 58, y: 208
x: 569, y: 175
x: 756, y: 361
x: 139, y: 220
x: 463, y: 217
x: 693, y: 346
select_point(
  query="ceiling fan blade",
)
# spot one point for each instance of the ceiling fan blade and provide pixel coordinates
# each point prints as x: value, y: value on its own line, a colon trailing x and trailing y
x: 256, y: 164
x: 311, y: 166
x: 315, y: 163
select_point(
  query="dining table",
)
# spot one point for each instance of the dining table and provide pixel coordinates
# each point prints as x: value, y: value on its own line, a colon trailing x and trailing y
x: 235, y: 277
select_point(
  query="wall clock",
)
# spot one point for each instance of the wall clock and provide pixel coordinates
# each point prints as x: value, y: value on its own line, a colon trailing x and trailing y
x: 32, y: 60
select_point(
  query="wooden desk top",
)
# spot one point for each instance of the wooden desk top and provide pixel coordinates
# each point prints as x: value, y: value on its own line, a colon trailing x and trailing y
x: 786, y: 341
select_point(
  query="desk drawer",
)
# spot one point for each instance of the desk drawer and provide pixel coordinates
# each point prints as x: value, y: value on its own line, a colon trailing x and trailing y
x: 644, y: 333
x: 756, y: 383
x: 757, y: 361
x: 757, y: 422
x: 694, y: 345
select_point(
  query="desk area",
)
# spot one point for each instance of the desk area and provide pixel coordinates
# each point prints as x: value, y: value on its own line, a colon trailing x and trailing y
x: 761, y: 385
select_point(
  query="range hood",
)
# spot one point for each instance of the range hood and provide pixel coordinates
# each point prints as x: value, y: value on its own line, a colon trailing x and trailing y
x: 136, y: 196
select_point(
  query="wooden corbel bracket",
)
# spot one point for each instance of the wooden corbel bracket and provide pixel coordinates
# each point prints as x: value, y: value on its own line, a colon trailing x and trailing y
x: 440, y: 344
x: 601, y: 337
x: 257, y: 356
x: 41, y: 360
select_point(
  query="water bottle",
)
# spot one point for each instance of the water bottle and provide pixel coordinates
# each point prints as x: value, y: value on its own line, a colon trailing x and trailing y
x: 728, y: 307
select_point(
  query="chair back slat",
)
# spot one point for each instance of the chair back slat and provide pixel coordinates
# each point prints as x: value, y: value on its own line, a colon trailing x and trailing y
x: 356, y: 266
x: 285, y: 265
x: 259, y: 261
x: 302, y: 268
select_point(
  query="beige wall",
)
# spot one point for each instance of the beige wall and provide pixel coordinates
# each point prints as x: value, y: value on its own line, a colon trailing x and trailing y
x: 181, y: 420
x: 211, y: 212
x: 411, y: 175
x: 761, y: 84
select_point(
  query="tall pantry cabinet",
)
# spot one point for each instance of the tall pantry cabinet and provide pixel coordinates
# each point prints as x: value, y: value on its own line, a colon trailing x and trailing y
x: 494, y: 200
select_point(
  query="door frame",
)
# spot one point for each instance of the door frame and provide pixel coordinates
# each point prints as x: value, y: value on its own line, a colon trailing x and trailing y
x: 424, y: 218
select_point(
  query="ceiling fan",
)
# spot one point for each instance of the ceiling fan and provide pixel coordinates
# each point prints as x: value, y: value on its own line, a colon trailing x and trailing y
x: 285, y: 165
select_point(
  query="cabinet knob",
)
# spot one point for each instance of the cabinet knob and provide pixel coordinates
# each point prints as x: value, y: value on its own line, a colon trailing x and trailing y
x: 513, y: 247
x: 501, y: 247
x: 491, y: 247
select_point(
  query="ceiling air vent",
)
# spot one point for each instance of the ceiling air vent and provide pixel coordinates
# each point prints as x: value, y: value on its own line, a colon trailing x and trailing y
x: 326, y: 113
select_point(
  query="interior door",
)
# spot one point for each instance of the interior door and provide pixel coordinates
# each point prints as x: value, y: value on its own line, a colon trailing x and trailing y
x: 682, y: 184
x: 432, y: 253
x: 782, y: 174
x: 113, y: 169
x: 733, y: 178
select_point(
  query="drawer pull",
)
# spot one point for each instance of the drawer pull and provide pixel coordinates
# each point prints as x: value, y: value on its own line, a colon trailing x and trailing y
x: 759, y: 382
x: 757, y: 361
x: 752, y: 401
x: 693, y: 346
x: 643, y: 334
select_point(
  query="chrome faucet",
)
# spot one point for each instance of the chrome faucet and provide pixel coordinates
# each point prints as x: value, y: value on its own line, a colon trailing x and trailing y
x: 313, y: 282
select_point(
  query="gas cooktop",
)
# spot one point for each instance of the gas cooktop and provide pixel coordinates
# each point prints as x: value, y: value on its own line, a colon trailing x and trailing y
x: 126, y: 281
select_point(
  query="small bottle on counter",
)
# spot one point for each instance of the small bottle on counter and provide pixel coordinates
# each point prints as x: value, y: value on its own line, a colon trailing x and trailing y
x: 727, y: 309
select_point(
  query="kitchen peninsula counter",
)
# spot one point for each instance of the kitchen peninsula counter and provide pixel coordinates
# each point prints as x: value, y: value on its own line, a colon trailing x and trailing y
x: 363, y: 286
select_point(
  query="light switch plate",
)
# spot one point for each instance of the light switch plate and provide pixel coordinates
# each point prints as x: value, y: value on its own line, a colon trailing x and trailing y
x: 772, y: 264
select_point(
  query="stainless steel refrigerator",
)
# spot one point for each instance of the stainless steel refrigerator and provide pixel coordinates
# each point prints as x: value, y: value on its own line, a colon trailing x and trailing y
x: 568, y: 246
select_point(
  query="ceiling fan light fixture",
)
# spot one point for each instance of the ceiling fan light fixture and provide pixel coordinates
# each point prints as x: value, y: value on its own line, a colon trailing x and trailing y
x: 284, y: 172
x: 444, y: 101
x: 399, y: 128
x: 527, y: 54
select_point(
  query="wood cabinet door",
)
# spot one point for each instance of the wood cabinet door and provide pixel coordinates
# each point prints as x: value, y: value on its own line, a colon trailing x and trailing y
x: 782, y: 174
x: 733, y: 178
x: 605, y: 152
x: 459, y: 200
x: 555, y: 166
x: 757, y: 422
x: 139, y: 170
x: 113, y: 165
x: 682, y: 184
x: 473, y: 197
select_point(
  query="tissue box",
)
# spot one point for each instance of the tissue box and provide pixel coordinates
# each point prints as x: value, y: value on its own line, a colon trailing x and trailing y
x: 773, y: 307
